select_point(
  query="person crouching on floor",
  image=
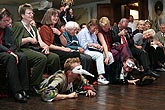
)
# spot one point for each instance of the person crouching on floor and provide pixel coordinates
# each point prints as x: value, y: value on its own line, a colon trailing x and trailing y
x: 123, y: 74
x: 68, y: 83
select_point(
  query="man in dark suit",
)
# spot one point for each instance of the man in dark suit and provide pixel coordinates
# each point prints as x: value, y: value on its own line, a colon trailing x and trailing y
x: 15, y: 62
x: 122, y: 73
x: 123, y: 31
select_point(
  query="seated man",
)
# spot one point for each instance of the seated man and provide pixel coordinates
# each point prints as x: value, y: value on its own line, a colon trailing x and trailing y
x: 88, y: 41
x: 66, y: 84
x: 122, y: 74
x: 15, y: 62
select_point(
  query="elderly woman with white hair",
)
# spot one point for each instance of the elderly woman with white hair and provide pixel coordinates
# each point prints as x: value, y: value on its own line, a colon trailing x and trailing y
x: 71, y: 28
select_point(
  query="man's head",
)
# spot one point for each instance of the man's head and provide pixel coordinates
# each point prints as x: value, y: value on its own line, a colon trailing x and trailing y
x: 128, y: 64
x: 73, y: 69
x: 123, y: 23
x: 162, y: 28
x: 69, y: 65
x: 5, y: 18
x: 131, y: 18
x: 92, y: 25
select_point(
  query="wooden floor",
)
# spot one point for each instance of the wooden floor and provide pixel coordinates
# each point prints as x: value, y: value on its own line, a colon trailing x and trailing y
x: 111, y: 97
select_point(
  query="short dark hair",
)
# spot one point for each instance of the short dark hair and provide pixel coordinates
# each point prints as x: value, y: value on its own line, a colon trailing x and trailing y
x: 82, y: 25
x: 4, y: 12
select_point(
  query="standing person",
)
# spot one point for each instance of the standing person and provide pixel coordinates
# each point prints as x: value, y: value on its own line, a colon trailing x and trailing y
x: 132, y: 24
x: 15, y: 62
x: 66, y: 14
x: 67, y: 84
x: 54, y: 38
x: 72, y: 42
x: 30, y: 43
x: 88, y: 41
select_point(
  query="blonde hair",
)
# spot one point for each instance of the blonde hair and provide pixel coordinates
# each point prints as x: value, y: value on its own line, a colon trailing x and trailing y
x: 47, y: 16
x: 69, y: 62
x: 22, y: 8
x: 139, y: 22
x: 104, y: 21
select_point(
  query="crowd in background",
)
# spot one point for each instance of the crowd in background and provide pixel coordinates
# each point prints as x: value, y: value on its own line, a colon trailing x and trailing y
x: 29, y: 50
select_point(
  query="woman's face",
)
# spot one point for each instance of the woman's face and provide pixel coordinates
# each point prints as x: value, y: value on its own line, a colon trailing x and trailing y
x: 141, y: 26
x: 72, y: 32
x: 28, y: 16
x: 106, y: 28
x: 54, y: 18
x: 147, y: 25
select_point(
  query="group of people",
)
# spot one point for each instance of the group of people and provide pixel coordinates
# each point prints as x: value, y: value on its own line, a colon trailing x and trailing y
x: 28, y: 53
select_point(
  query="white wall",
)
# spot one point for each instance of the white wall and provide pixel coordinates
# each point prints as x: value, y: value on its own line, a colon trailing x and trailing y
x: 91, y: 8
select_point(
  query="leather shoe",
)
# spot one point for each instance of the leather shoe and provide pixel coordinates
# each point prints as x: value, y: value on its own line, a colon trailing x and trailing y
x: 151, y: 73
x: 25, y: 94
x: 20, y: 98
x: 33, y: 91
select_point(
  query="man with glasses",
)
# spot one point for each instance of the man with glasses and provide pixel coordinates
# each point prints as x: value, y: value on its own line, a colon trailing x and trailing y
x: 15, y: 62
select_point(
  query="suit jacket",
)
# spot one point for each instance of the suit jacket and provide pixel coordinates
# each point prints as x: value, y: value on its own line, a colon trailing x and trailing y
x: 115, y: 71
x: 129, y: 36
x: 160, y: 37
x: 7, y: 41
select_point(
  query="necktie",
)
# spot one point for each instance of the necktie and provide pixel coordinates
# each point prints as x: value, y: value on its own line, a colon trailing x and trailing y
x: 123, y: 40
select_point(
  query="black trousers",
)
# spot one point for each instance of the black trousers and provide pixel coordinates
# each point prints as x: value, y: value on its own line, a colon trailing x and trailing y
x: 86, y: 61
x: 142, y: 57
x: 65, y: 55
x: 17, y: 74
x: 156, y: 55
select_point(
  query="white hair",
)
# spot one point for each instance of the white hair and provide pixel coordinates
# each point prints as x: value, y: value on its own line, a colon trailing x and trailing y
x: 71, y: 25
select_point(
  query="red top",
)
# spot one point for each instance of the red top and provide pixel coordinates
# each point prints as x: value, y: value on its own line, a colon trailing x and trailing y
x: 46, y: 34
x: 1, y: 35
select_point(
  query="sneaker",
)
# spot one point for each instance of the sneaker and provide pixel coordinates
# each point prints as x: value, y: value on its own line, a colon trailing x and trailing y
x: 160, y: 69
x: 48, y: 94
x: 102, y: 80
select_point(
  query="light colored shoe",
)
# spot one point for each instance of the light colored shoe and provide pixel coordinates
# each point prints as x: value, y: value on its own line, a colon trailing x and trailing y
x: 103, y: 81
x: 160, y: 69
